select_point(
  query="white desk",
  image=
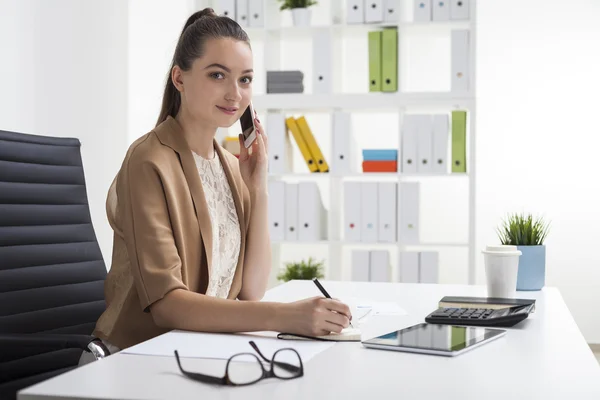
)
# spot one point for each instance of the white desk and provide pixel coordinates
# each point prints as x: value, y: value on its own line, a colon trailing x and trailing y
x: 543, y: 357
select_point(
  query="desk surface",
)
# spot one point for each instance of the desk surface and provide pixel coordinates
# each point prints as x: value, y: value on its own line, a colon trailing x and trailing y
x: 545, y: 356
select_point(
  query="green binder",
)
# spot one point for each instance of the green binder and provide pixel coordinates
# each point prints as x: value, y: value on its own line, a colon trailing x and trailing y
x: 459, y: 141
x: 389, y: 60
x: 375, y: 61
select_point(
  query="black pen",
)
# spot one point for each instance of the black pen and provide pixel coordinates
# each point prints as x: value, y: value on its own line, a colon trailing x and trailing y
x: 322, y: 289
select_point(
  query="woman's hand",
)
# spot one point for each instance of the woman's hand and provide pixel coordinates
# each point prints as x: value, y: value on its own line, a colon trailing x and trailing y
x: 316, y: 316
x: 253, y: 167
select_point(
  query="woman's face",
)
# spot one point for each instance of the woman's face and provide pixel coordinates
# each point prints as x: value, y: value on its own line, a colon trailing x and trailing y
x: 218, y: 87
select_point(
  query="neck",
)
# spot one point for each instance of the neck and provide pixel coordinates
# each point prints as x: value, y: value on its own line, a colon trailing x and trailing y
x: 198, y: 134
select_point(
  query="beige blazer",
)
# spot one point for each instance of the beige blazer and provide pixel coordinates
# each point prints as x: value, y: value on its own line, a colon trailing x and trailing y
x: 162, y: 232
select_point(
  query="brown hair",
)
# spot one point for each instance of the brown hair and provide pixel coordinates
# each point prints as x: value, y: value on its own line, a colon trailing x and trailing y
x: 200, y: 26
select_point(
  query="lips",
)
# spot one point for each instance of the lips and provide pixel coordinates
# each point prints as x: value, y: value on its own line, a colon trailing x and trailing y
x: 228, y: 110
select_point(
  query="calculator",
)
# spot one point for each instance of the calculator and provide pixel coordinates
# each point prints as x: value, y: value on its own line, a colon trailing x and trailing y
x: 502, y: 317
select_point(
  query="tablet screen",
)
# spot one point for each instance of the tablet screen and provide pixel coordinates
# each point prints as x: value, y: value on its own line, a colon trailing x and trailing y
x: 436, y: 337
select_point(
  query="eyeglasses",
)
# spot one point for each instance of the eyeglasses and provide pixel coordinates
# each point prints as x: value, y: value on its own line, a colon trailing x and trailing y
x: 246, y: 368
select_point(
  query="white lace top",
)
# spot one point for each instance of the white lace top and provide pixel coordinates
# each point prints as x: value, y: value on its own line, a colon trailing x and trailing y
x: 225, y: 225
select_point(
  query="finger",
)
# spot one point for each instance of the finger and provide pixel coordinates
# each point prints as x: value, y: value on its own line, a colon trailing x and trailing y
x: 261, y: 129
x: 339, y: 307
x: 337, y: 319
x: 260, y: 138
x: 243, y: 150
x: 332, y: 327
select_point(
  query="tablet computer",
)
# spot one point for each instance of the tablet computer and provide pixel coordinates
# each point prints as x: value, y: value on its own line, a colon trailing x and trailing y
x: 444, y: 340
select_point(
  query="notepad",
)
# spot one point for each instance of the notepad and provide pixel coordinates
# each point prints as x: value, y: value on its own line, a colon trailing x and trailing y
x: 346, y: 335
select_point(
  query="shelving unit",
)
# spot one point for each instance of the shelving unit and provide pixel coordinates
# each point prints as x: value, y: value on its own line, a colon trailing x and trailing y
x: 272, y: 41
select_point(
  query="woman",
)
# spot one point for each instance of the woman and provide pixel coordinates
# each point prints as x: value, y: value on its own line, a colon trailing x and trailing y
x: 190, y: 220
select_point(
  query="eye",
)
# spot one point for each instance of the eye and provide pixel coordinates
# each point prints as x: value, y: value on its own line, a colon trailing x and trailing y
x: 246, y: 80
x: 217, y: 75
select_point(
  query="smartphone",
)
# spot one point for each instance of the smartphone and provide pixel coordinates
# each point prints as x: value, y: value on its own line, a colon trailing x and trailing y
x: 248, y: 128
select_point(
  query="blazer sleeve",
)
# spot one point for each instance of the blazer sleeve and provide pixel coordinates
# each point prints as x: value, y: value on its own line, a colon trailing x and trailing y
x: 155, y: 261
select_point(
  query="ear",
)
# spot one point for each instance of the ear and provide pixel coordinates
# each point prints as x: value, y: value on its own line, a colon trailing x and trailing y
x: 177, y: 77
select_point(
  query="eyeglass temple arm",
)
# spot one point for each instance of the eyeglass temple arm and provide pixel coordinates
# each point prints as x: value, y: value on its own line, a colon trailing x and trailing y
x: 282, y: 365
x: 198, y: 376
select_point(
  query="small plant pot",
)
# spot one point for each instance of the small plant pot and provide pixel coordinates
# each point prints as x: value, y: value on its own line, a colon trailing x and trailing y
x: 301, y: 16
x: 532, y: 268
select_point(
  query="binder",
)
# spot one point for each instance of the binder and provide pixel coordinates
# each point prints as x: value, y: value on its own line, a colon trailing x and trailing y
x: 440, y: 143
x: 241, y: 12
x: 343, y: 144
x: 459, y: 9
x: 428, y: 267
x: 409, y: 213
x: 291, y: 212
x: 422, y: 10
x: 379, y: 270
x: 226, y: 8
x: 312, y: 145
x: 387, y: 206
x: 322, y: 63
x: 355, y: 11
x: 312, y: 218
x: 374, y: 11
x: 459, y: 41
x: 408, y: 265
x: 424, y: 144
x: 352, y: 211
x: 380, y: 166
x: 409, y: 144
x: 280, y: 147
x: 360, y: 265
x: 256, y: 13
x: 375, y: 58
x: 391, y: 12
x: 276, y: 212
x: 389, y: 60
x: 369, y: 222
x: 459, y: 141
x: 293, y: 127
x: 440, y: 10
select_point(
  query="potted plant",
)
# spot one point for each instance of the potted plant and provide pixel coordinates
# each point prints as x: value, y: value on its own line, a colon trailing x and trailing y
x: 300, y: 10
x: 528, y: 234
x: 302, y: 270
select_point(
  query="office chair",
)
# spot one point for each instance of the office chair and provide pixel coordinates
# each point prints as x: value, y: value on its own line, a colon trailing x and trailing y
x: 51, y: 268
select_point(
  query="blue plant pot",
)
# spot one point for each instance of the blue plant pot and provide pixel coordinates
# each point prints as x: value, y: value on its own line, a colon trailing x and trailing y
x: 532, y: 268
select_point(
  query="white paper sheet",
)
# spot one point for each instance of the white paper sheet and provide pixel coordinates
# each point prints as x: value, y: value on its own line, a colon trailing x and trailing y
x: 363, y: 309
x: 222, y: 346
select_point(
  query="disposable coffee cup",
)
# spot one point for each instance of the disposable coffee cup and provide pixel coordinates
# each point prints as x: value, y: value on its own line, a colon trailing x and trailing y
x: 501, y: 269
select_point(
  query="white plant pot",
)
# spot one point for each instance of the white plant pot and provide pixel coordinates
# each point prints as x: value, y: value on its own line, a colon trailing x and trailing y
x: 301, y: 16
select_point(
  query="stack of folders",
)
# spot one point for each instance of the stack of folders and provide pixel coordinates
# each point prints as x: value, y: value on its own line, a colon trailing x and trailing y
x: 425, y: 143
x: 383, y: 60
x: 440, y: 10
x: 418, y: 267
x: 413, y: 267
x: 384, y: 160
x: 296, y: 212
x: 371, y: 266
x: 285, y: 82
x: 307, y: 144
x: 244, y: 12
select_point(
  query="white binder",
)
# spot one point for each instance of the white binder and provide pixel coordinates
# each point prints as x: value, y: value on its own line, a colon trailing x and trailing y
x: 360, y: 265
x: 322, y: 63
x: 409, y: 267
x: 387, y: 206
x: 459, y: 9
x: 429, y: 267
x: 256, y: 13
x: 373, y: 11
x: 440, y: 143
x: 380, y: 266
x: 409, y: 144
x: 280, y: 146
x: 422, y: 10
x: 369, y: 221
x: 291, y: 212
x: 355, y: 11
x: 241, y: 12
x: 276, y: 211
x: 409, y: 213
x: 424, y: 144
x: 440, y: 10
x: 352, y: 211
x: 391, y: 10
x: 459, y: 60
x: 343, y: 144
x: 226, y: 8
x: 312, y: 218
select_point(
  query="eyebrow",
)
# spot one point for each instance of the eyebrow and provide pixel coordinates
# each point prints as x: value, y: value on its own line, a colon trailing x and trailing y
x: 227, y: 69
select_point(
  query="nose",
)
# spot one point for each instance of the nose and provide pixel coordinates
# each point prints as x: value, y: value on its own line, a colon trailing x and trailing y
x: 233, y: 93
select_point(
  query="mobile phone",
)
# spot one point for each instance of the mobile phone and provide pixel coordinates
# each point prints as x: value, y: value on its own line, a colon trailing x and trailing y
x: 248, y: 128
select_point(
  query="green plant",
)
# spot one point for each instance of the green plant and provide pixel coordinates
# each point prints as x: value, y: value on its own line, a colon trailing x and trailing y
x: 523, y: 230
x: 302, y: 270
x: 290, y: 4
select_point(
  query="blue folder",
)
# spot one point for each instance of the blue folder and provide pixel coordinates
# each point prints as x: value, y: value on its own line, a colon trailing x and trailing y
x: 380, y: 155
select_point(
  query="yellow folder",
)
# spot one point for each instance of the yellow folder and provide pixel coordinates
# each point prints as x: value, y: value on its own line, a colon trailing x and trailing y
x: 389, y: 60
x: 459, y: 141
x: 313, y: 147
x: 293, y: 127
x: 375, y: 61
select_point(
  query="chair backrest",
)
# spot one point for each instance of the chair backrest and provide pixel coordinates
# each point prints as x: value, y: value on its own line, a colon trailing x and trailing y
x: 51, y: 268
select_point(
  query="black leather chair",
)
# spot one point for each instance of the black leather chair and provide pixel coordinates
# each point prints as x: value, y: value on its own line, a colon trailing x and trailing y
x: 51, y: 268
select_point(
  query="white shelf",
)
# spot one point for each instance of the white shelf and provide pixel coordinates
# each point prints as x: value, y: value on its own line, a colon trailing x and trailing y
x: 365, y: 244
x: 365, y: 175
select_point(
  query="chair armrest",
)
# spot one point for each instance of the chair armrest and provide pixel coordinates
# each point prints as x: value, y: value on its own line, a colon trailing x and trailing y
x: 15, y: 345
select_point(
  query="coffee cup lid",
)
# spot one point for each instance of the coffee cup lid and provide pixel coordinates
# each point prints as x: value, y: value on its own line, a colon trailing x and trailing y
x: 502, y: 250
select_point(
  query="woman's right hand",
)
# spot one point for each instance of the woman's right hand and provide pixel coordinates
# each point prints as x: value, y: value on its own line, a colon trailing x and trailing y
x: 315, y: 316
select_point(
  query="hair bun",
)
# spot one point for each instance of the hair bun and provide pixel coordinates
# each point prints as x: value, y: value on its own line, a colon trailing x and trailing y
x: 207, y: 12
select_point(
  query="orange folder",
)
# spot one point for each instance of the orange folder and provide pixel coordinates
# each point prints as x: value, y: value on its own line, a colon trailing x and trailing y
x: 380, y: 166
